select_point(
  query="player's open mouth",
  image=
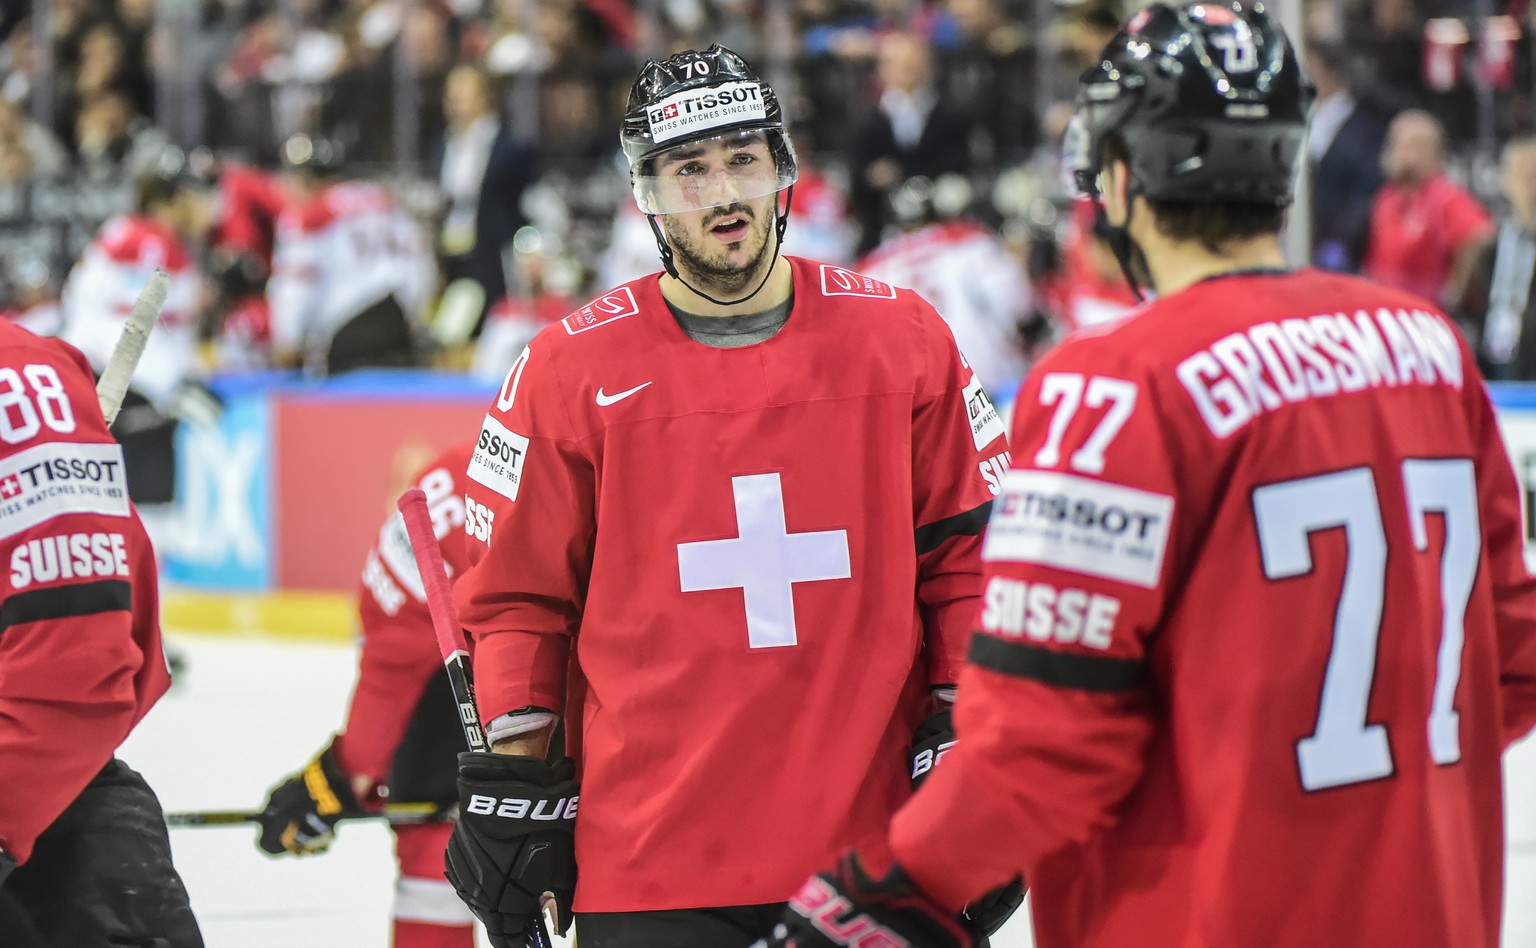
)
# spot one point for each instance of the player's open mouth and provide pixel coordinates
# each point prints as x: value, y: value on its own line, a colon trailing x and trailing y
x: 730, y: 229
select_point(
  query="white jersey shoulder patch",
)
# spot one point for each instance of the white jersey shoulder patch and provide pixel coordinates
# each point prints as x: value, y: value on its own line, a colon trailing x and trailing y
x: 841, y: 281
x: 1080, y: 525
x: 498, y: 459
x: 607, y: 308
x: 49, y: 480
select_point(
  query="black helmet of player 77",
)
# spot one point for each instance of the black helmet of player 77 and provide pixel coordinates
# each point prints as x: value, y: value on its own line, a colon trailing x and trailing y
x: 1208, y: 100
x: 693, y: 97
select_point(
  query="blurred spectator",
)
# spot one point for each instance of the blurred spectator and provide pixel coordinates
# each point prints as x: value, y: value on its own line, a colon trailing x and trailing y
x: 115, y: 144
x: 1499, y: 300
x: 990, y: 67
x: 171, y: 217
x: 241, y: 115
x: 22, y: 139
x: 240, y: 261
x: 967, y: 273
x: 352, y: 273
x: 820, y: 227
x: 1344, y: 150
x: 1084, y: 29
x: 543, y: 289
x: 31, y: 298
x: 483, y: 173
x: 1089, y: 288
x: 1426, y: 230
x: 911, y: 133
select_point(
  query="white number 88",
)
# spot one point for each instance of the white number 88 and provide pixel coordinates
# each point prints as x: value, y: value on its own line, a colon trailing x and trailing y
x: 19, y: 416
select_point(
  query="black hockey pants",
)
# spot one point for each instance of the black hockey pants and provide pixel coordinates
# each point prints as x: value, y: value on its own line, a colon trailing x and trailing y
x: 101, y: 875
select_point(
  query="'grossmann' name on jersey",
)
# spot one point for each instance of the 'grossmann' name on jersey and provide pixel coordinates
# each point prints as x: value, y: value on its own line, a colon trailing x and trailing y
x: 1241, y: 376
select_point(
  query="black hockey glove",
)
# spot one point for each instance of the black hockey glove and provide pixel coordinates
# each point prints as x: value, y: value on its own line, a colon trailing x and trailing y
x: 514, y: 841
x: 7, y: 863
x: 301, y: 812
x: 851, y: 906
x: 929, y: 742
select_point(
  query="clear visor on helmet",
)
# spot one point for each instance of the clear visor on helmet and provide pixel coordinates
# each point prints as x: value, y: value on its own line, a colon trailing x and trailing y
x: 1077, y: 164
x: 713, y: 172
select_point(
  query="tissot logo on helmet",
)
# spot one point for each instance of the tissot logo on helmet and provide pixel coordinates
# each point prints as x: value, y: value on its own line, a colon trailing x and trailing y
x: 687, y: 112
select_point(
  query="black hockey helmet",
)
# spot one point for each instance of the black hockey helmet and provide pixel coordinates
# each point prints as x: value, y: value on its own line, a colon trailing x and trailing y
x: 1208, y: 99
x: 692, y: 97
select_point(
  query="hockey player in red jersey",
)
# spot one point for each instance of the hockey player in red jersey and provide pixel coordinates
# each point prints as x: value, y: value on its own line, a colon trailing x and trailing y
x: 82, y: 837
x: 736, y: 506
x: 402, y: 729
x: 1256, y: 627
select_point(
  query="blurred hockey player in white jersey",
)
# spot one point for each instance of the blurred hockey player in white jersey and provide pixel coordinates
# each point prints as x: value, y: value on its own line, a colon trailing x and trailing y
x: 966, y: 272
x: 352, y: 272
x: 172, y: 213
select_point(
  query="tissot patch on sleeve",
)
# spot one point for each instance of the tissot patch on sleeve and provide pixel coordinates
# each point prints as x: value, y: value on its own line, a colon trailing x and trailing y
x: 1079, y: 525
x: 986, y: 424
x: 498, y: 459
x: 49, y: 480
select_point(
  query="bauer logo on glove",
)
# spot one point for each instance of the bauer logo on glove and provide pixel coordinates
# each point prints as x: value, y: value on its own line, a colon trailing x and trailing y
x: 521, y: 808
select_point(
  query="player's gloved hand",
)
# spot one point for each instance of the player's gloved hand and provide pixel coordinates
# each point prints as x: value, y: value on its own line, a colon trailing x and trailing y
x: 865, y: 901
x: 301, y: 812
x: 930, y: 741
x: 7, y: 863
x: 514, y: 841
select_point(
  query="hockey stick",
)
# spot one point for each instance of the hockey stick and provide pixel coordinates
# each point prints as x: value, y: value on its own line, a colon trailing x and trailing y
x: 113, y: 384
x: 397, y: 814
x: 450, y: 640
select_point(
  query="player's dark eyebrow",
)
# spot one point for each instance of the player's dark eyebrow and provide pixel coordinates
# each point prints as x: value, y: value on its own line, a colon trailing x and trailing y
x: 735, y: 143
x: 683, y: 153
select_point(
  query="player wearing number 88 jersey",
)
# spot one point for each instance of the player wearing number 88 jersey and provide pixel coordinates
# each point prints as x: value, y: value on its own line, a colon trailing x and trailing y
x: 1256, y: 626
x: 80, y: 664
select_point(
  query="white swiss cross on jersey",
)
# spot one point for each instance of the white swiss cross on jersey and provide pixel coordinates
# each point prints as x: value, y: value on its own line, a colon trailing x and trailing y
x: 764, y: 561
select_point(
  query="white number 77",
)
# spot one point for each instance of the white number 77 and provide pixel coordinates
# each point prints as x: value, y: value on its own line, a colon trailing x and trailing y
x: 1344, y: 749
x: 1065, y: 390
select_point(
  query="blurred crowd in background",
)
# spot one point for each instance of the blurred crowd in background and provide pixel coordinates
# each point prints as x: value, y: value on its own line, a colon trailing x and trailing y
x: 346, y: 183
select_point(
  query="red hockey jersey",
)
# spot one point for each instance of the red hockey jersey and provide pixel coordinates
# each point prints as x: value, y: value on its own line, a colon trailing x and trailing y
x: 80, y: 654
x: 1255, y: 633
x: 399, y: 651
x: 759, y: 558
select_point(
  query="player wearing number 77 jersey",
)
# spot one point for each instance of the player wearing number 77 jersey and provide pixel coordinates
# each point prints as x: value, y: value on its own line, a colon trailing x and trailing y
x: 1256, y: 627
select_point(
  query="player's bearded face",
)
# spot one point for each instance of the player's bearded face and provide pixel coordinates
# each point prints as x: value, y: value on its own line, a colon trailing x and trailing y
x: 724, y: 250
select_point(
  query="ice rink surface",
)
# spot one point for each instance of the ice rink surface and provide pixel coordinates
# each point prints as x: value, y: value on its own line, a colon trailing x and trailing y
x: 250, y: 710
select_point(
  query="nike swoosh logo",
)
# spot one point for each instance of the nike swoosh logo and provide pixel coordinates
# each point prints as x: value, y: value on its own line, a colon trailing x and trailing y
x: 606, y: 400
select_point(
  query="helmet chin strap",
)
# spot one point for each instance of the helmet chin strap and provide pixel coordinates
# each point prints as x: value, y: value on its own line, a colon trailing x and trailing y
x: 670, y: 263
x: 1118, y: 236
